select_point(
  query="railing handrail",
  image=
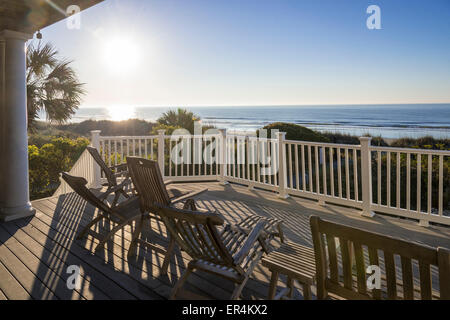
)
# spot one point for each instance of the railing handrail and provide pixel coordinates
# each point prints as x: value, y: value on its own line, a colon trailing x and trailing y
x: 126, y: 137
x: 324, y: 144
x: 411, y: 150
x: 196, y: 136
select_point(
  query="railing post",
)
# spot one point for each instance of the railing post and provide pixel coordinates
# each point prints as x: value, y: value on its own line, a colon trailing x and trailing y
x: 223, y: 152
x: 366, y: 177
x: 161, y: 145
x: 95, y: 141
x: 281, y: 136
x: 249, y: 157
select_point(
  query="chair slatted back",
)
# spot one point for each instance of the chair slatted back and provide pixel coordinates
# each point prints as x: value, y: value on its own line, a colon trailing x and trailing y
x: 343, y: 255
x: 78, y: 184
x: 148, y: 181
x: 103, y: 166
x: 197, y: 234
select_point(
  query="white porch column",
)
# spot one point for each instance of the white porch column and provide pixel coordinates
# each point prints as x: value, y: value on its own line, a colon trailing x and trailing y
x: 14, y: 192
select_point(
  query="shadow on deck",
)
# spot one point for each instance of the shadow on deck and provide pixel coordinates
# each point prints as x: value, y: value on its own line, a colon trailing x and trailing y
x: 36, y: 252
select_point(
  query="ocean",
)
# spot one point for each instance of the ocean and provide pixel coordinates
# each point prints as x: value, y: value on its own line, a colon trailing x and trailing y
x: 388, y: 121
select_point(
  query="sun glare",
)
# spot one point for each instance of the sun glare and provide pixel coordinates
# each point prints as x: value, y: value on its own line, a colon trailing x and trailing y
x: 119, y: 113
x: 120, y: 54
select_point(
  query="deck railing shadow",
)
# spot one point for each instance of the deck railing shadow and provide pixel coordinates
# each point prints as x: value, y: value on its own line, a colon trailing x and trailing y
x: 63, y: 222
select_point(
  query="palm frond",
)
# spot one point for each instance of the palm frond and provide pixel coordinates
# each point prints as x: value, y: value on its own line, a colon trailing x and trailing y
x: 52, y: 85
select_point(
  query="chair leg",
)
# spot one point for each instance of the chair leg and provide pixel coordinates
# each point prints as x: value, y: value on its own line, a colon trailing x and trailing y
x: 238, y: 289
x: 113, y: 231
x: 134, y: 239
x: 116, y: 198
x: 290, y: 285
x: 89, y: 225
x: 168, y: 255
x: 306, y: 292
x: 105, y: 194
x: 273, y: 285
x: 181, y: 281
x: 126, y: 195
x: 280, y: 232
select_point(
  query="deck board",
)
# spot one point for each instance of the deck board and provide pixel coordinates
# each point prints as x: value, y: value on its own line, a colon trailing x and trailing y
x: 121, y: 243
x: 10, y: 286
x: 57, y: 267
x: 35, y: 252
x: 20, y: 264
x: 2, y: 295
x: 38, y: 279
x: 57, y: 231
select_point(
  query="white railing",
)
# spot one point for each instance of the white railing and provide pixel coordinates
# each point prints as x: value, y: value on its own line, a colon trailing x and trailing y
x: 326, y: 172
x: 370, y: 178
x: 411, y: 183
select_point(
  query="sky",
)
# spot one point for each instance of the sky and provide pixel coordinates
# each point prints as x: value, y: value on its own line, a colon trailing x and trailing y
x: 258, y: 52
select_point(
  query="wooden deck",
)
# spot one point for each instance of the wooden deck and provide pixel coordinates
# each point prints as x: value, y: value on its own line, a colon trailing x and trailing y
x: 35, y: 252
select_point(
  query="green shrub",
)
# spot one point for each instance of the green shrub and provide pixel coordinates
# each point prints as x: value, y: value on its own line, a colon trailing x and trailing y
x: 295, y: 132
x: 427, y: 142
x: 131, y: 127
x: 48, y: 161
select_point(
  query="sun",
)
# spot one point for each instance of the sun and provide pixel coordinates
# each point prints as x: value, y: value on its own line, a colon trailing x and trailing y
x: 120, y: 54
x: 119, y: 113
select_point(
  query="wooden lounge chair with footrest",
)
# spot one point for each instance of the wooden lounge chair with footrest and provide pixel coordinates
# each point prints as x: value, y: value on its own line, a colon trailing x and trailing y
x: 229, y: 253
x: 153, y: 193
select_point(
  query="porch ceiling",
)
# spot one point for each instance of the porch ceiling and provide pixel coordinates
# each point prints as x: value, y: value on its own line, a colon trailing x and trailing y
x: 31, y: 15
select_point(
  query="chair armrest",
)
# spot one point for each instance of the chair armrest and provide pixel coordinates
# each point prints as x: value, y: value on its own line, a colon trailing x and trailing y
x: 174, y: 212
x: 262, y: 237
x: 120, y: 167
x: 121, y: 174
x: 125, y: 182
x: 250, y: 242
x: 187, y: 196
x: 168, y: 182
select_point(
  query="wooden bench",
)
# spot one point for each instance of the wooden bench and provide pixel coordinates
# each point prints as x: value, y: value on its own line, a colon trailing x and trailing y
x: 343, y: 254
x: 297, y: 263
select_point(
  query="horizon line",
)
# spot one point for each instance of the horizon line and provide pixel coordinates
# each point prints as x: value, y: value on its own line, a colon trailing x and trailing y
x: 265, y: 105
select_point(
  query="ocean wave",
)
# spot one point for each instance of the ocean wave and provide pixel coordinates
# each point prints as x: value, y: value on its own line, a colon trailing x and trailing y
x: 393, y: 120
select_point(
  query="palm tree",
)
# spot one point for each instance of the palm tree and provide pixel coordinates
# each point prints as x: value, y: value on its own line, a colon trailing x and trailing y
x: 52, y: 85
x: 181, y: 118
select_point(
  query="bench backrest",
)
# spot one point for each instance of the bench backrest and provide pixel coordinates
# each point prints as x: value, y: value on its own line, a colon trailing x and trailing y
x: 343, y: 255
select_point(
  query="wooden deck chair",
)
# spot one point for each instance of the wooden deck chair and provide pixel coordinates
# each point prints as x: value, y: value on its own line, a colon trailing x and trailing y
x: 228, y: 253
x: 152, y: 193
x: 125, y: 213
x: 343, y: 254
x: 111, y: 174
x: 148, y: 181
